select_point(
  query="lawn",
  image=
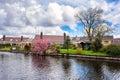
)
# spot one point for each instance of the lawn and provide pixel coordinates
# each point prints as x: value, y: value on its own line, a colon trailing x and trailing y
x: 5, y: 49
x: 84, y: 52
x: 70, y: 51
x: 8, y: 48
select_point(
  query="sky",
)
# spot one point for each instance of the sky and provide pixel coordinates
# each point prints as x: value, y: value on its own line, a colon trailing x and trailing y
x: 52, y: 17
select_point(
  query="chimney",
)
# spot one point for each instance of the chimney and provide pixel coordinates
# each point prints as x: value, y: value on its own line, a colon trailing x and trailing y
x: 64, y: 36
x: 21, y: 38
x: 3, y: 37
x: 41, y: 35
x: 76, y: 36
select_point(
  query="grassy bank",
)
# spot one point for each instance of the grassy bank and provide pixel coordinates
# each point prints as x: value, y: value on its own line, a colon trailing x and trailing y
x: 70, y: 51
x: 5, y: 49
x: 84, y: 52
x: 9, y: 48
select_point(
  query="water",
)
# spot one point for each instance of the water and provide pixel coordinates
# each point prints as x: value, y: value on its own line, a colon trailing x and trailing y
x: 25, y: 67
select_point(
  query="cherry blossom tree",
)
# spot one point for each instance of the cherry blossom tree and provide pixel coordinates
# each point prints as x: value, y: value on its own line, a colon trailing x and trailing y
x: 39, y: 46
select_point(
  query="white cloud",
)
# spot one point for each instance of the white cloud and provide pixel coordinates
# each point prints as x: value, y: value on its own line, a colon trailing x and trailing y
x: 3, y: 15
x: 24, y: 17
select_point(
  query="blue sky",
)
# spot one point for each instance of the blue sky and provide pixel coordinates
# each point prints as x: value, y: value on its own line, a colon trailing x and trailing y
x: 112, y: 1
x: 52, y: 17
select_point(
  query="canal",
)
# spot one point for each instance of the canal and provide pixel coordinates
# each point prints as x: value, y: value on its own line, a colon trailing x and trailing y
x: 16, y: 66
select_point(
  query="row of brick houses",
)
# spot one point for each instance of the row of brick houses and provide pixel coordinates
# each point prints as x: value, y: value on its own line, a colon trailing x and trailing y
x: 56, y: 39
x: 107, y: 40
x: 15, y: 40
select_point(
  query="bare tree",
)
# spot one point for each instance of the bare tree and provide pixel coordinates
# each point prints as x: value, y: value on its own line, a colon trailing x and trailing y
x: 91, y: 19
x: 102, y: 30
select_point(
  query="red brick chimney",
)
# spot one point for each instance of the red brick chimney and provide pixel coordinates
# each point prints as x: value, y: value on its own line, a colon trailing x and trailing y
x: 64, y: 36
x: 3, y: 37
x: 41, y: 35
x: 21, y: 38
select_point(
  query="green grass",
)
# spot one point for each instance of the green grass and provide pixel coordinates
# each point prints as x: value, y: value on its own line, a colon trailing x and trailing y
x: 84, y: 52
x: 70, y: 51
x: 89, y: 52
x: 6, y: 48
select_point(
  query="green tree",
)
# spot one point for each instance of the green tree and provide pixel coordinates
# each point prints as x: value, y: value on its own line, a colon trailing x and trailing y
x: 67, y: 43
x: 96, y: 46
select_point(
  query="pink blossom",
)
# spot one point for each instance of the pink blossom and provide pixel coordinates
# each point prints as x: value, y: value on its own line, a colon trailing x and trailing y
x: 39, y: 46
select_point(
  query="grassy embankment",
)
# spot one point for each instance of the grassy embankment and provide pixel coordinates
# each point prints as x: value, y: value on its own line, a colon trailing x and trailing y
x: 8, y: 48
x: 70, y: 51
x: 84, y: 52
x: 5, y: 49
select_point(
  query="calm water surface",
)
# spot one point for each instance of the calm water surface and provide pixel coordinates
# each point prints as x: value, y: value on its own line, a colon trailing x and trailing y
x: 25, y: 67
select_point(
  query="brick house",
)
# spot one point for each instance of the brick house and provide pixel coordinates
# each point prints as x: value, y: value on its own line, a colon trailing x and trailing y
x: 106, y: 40
x: 15, y: 40
x: 116, y: 41
x: 53, y: 39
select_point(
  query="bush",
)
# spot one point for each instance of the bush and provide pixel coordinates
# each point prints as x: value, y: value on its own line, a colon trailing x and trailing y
x: 26, y: 47
x: 73, y: 46
x: 113, y: 50
x: 5, y: 45
x: 17, y: 47
x: 79, y: 50
x: 103, y: 49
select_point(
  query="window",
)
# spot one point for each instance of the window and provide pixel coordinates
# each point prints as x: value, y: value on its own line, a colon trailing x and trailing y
x: 106, y: 42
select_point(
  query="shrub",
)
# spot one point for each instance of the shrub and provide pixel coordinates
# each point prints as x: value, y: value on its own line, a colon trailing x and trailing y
x: 79, y: 51
x: 103, y: 49
x: 113, y: 50
x: 26, y: 47
x: 73, y: 46
x: 17, y: 47
x: 5, y: 45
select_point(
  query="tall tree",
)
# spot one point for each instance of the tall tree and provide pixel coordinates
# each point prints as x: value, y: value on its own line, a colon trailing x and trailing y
x: 91, y: 19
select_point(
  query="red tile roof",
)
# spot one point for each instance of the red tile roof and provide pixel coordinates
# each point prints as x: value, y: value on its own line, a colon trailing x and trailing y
x: 51, y: 38
x: 14, y: 39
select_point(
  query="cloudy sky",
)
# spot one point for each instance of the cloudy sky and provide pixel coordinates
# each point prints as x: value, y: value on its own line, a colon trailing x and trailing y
x: 30, y: 17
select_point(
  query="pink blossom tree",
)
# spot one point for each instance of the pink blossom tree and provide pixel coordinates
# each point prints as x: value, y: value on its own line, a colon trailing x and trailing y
x: 39, y: 46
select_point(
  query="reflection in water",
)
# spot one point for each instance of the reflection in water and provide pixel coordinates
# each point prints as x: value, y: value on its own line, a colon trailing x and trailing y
x: 66, y: 65
x: 40, y: 62
x: 26, y: 67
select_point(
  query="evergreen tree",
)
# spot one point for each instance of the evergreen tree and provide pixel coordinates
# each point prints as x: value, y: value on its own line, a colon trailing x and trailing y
x: 96, y: 45
x: 67, y: 43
